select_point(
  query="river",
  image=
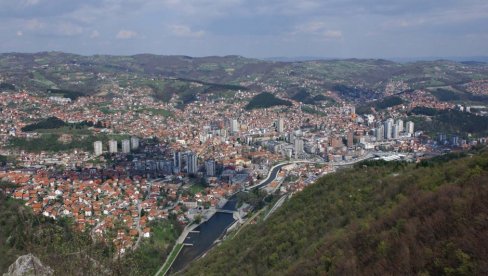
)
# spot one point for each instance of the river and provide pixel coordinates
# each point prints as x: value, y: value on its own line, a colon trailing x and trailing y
x: 211, y: 230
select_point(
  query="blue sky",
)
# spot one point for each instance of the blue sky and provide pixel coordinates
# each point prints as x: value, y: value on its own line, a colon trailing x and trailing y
x: 252, y: 28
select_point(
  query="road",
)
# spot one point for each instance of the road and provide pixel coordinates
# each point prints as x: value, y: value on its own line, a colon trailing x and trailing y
x: 273, y: 172
x: 276, y: 206
x: 248, y: 221
x: 138, y: 242
x: 139, y: 209
x: 348, y: 163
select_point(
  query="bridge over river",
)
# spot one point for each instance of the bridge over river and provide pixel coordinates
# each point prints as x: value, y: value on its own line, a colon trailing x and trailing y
x: 224, y: 211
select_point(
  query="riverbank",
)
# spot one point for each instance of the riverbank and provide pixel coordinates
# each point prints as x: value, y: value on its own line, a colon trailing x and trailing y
x: 170, y: 259
x: 200, y: 241
x: 179, y: 244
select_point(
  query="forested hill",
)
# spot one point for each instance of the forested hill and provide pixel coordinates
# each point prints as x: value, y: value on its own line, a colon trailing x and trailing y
x: 378, y: 218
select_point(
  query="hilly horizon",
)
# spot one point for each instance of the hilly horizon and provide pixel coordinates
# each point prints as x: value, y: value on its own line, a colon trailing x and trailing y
x: 352, y: 79
x: 404, y: 59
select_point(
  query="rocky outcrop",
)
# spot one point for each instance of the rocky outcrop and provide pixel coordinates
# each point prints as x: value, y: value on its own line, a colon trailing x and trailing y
x: 28, y: 265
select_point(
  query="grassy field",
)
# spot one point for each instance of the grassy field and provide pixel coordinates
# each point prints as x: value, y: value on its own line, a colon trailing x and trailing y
x: 196, y: 188
x: 164, y: 232
x: 156, y: 249
x: 38, y: 77
x: 66, y: 130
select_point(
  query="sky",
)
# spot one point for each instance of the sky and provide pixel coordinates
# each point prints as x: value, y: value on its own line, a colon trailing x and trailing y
x: 251, y: 28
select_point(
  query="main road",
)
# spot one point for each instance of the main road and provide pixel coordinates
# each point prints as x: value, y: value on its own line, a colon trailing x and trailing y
x: 273, y: 172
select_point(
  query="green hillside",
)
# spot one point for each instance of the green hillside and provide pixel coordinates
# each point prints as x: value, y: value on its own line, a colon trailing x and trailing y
x: 377, y: 218
x: 379, y: 105
x: 449, y: 121
x: 265, y: 100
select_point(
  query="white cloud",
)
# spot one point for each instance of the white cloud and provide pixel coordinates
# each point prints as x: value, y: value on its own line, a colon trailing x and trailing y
x: 57, y: 27
x: 126, y: 34
x: 185, y: 31
x: 19, y: 33
x: 94, y: 34
x: 30, y: 2
x: 69, y: 29
x: 317, y: 28
x: 333, y: 34
x: 449, y: 16
x: 287, y: 7
x: 33, y: 24
x: 202, y: 8
x: 310, y: 27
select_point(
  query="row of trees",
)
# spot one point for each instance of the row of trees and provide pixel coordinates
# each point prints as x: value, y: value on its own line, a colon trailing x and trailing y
x: 54, y: 123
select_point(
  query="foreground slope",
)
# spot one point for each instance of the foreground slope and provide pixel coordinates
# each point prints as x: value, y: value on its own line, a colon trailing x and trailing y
x: 375, y: 219
x: 67, y: 251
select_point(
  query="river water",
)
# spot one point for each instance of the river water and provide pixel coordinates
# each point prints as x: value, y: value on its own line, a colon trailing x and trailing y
x: 210, y: 231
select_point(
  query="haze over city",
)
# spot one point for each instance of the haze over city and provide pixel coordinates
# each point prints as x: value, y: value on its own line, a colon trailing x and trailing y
x: 339, y: 29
